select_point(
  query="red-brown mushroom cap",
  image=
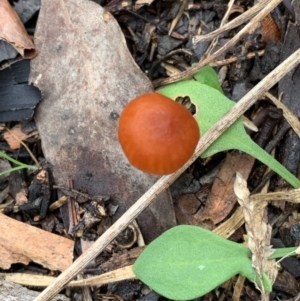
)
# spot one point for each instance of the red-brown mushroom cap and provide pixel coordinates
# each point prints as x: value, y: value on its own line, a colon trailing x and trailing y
x: 157, y: 135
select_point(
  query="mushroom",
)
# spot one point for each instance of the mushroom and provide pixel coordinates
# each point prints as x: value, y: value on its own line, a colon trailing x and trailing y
x: 157, y: 134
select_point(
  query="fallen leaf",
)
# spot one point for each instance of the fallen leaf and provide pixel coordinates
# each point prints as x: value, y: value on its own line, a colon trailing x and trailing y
x: 13, y: 31
x: 87, y: 76
x: 222, y: 199
x: 186, y: 206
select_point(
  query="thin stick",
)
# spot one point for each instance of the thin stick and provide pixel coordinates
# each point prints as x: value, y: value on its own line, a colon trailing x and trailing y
x: 265, y: 10
x: 26, y: 147
x: 244, y: 104
x: 222, y: 25
x: 243, y: 18
x: 177, y: 18
x: 234, y: 59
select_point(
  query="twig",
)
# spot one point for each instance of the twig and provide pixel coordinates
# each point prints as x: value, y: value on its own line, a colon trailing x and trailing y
x: 120, y: 274
x: 100, y: 244
x: 177, y: 18
x: 265, y: 10
x: 222, y: 25
x: 288, y: 196
x: 234, y: 59
x: 249, y: 14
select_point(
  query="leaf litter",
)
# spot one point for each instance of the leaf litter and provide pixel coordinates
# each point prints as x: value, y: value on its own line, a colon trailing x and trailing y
x: 76, y: 99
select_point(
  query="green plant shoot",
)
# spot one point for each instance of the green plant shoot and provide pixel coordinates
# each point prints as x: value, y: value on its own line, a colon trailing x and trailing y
x: 208, y: 76
x: 19, y: 165
x: 211, y: 107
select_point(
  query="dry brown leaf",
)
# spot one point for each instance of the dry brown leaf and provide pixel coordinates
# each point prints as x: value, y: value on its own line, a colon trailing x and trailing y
x: 23, y: 243
x: 14, y: 136
x: 221, y: 200
x: 13, y: 31
x: 185, y: 208
x: 87, y: 76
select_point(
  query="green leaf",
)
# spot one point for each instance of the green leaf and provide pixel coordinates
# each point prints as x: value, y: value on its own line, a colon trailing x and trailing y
x: 211, y: 107
x: 267, y: 283
x: 208, y: 76
x: 187, y: 262
x: 283, y: 252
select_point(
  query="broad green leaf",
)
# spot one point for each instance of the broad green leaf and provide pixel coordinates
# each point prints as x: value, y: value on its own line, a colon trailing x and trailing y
x: 186, y: 262
x: 208, y: 76
x: 211, y: 107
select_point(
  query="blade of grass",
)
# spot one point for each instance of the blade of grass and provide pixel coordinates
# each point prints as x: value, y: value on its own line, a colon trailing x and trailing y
x: 18, y: 168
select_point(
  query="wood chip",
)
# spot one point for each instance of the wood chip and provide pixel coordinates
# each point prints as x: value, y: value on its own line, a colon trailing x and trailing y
x: 23, y: 243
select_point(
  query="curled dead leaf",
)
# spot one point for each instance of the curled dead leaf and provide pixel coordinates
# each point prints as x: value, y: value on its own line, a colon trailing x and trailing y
x: 13, y: 31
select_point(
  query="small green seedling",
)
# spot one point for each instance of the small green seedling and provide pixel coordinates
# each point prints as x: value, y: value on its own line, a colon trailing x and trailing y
x: 212, y: 106
x: 19, y: 165
x: 187, y: 262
